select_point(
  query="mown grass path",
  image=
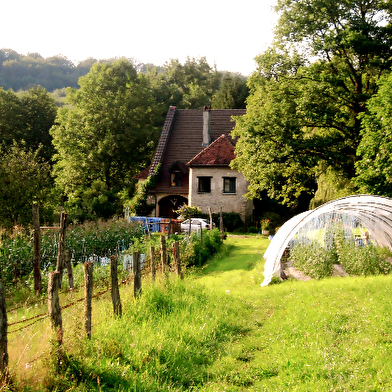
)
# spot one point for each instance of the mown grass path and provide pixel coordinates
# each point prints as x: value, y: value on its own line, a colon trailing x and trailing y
x: 329, y: 335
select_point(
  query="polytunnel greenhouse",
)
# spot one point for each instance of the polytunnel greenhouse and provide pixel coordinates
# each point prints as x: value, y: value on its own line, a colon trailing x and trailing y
x: 367, y: 215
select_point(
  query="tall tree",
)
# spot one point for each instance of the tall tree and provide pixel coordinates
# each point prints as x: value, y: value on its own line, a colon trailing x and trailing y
x: 314, y: 82
x: 374, y: 170
x: 104, y: 138
x: 232, y: 93
x: 28, y: 117
x: 24, y: 179
x: 193, y: 83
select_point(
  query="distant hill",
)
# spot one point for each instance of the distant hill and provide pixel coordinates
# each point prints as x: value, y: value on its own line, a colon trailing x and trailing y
x: 21, y: 72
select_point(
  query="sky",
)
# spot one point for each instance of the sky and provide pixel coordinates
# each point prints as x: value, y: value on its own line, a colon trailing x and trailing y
x: 228, y: 33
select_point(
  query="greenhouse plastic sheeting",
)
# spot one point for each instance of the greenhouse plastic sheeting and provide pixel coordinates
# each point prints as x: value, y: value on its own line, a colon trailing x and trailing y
x: 372, y: 212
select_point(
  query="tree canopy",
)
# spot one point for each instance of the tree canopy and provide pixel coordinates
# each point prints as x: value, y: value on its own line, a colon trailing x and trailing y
x: 104, y: 137
x: 303, y: 114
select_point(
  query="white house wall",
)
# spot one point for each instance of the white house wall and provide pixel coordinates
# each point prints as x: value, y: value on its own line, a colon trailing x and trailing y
x: 216, y: 198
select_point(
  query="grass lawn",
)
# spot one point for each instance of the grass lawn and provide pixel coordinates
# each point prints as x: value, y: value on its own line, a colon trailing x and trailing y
x: 218, y: 330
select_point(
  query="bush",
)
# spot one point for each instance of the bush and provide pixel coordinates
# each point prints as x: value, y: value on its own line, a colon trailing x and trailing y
x: 313, y: 260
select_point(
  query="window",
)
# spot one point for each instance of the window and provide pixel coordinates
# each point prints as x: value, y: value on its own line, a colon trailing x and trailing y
x: 229, y: 185
x: 204, y: 185
x: 176, y: 178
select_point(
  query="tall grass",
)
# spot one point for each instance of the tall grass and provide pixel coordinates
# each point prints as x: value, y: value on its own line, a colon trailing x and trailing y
x: 218, y: 330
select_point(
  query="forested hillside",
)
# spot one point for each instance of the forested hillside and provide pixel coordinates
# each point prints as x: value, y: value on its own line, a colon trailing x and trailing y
x: 21, y: 72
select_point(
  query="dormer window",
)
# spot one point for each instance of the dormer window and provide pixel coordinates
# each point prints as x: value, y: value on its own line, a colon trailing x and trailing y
x: 177, y: 172
x: 176, y: 178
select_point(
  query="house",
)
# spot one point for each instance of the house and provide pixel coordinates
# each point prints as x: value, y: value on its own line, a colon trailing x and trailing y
x: 192, y: 157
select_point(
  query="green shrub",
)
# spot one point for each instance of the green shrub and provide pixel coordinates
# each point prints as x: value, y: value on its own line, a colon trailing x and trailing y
x: 313, y: 260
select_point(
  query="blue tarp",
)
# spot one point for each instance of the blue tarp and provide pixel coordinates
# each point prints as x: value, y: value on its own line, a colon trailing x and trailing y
x: 150, y: 224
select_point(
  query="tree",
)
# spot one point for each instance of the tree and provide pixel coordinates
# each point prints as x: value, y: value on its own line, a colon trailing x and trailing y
x: 232, y: 93
x: 314, y: 84
x: 374, y: 170
x: 192, y: 84
x: 28, y: 118
x: 24, y: 179
x: 104, y: 138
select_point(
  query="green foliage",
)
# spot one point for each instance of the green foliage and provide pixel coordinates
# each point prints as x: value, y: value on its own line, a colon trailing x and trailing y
x: 104, y: 139
x: 374, y: 172
x: 307, y: 95
x: 191, y: 84
x: 187, y: 212
x: 232, y: 93
x: 27, y: 118
x: 24, y: 179
x: 138, y: 203
x: 193, y: 253
x: 21, y: 72
x: 313, y: 260
x: 316, y: 259
x: 231, y: 221
x: 94, y: 238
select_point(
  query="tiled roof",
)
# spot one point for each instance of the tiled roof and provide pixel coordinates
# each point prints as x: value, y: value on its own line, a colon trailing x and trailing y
x: 143, y: 174
x: 218, y: 153
x: 182, y: 138
x: 163, y: 139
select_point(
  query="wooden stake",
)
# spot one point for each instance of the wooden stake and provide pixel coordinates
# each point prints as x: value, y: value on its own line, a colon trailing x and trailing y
x: 37, y: 251
x: 67, y: 260
x: 54, y: 305
x: 176, y: 248
x: 137, y: 277
x: 3, y: 334
x: 153, y: 270
x: 117, y: 308
x: 163, y: 253
x: 60, y: 255
x: 88, y: 296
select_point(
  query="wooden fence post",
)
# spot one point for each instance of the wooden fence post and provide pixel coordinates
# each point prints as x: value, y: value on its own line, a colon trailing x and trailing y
x: 67, y: 260
x: 176, y: 247
x: 54, y: 305
x: 137, y: 275
x: 60, y: 255
x: 210, y: 213
x: 117, y: 308
x: 163, y: 253
x: 3, y: 333
x: 201, y: 235
x: 153, y: 270
x: 88, y: 296
x: 37, y: 251
x: 221, y: 221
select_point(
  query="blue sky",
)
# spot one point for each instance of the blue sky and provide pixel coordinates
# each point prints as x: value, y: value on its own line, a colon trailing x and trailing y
x: 228, y: 33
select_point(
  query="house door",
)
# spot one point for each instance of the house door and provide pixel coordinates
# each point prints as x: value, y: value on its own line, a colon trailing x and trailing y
x: 169, y: 204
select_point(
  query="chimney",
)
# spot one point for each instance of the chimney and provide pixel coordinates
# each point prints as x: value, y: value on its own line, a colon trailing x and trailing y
x: 206, y: 126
